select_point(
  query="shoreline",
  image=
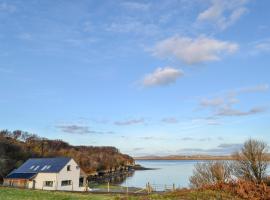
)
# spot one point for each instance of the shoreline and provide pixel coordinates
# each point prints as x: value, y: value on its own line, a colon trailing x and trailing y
x: 187, y: 158
x: 138, y: 167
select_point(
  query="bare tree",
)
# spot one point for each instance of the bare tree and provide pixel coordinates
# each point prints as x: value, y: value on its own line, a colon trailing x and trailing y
x: 209, y: 173
x: 251, y: 162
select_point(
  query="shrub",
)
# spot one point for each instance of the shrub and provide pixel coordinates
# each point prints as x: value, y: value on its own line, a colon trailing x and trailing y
x: 243, y: 189
x: 251, y: 162
x: 210, y: 173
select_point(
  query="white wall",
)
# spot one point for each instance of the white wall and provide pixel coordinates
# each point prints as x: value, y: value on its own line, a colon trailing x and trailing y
x: 57, y: 178
x: 41, y: 177
x: 73, y: 175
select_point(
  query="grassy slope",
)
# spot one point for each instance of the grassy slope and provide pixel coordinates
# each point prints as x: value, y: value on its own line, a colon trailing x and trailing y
x: 21, y: 194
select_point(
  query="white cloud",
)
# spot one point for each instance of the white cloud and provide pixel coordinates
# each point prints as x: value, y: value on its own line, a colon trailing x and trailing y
x: 129, y: 122
x: 196, y: 139
x: 256, y: 88
x: 162, y: 76
x: 212, y: 102
x: 223, y: 106
x: 79, y: 129
x: 263, y: 46
x: 213, y: 121
x: 74, y: 129
x: 223, y: 13
x: 228, y: 111
x: 193, y: 50
x: 170, y: 120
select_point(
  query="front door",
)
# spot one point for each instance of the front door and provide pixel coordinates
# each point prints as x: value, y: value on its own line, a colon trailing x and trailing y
x: 81, y: 182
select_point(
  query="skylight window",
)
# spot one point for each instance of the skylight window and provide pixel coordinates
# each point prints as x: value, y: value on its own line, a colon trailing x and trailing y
x: 43, y: 168
x: 36, y: 168
x: 32, y: 167
x: 48, y: 166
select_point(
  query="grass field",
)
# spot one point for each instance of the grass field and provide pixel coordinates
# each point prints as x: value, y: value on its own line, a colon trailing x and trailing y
x: 24, y: 194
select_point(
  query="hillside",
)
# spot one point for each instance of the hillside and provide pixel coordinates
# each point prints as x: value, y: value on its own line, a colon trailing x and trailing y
x: 17, y: 146
x: 190, y: 157
x: 185, y: 157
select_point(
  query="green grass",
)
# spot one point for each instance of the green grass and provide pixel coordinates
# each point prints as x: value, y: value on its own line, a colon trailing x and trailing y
x: 105, y: 186
x: 24, y: 194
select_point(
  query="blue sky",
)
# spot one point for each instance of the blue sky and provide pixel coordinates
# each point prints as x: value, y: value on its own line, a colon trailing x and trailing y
x: 149, y: 77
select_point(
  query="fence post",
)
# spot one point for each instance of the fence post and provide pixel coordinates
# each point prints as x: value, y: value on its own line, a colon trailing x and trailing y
x: 108, y: 186
x: 148, y: 188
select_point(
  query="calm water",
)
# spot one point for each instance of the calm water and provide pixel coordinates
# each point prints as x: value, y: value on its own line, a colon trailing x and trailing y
x: 168, y: 173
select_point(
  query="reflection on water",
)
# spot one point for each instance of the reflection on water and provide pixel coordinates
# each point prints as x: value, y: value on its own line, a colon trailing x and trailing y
x: 167, y: 173
x: 164, y: 173
x: 117, y: 178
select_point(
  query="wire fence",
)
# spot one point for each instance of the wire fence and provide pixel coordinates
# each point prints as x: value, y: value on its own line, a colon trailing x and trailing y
x: 149, y: 188
x: 162, y: 187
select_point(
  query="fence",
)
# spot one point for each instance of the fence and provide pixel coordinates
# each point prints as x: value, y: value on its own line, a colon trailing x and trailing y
x: 148, y: 189
x: 160, y: 187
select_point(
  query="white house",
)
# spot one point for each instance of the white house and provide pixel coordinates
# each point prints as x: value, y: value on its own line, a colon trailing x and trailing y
x: 48, y: 174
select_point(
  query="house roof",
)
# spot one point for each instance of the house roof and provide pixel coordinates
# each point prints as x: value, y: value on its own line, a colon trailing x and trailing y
x: 21, y: 175
x: 44, y: 165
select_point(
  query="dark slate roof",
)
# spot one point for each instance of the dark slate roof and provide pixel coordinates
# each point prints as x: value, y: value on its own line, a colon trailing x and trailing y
x: 21, y: 175
x: 46, y: 165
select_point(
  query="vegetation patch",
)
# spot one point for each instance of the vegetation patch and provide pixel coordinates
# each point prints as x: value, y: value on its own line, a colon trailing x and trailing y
x: 25, y: 194
x: 17, y: 146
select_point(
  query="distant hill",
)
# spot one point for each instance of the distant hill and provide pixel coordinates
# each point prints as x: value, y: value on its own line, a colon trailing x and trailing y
x: 17, y: 146
x: 185, y: 157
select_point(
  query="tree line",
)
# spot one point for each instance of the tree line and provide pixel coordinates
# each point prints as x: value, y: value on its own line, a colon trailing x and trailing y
x: 17, y: 146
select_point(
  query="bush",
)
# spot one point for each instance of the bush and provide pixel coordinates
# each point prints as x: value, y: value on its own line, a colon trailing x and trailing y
x: 252, y: 161
x: 243, y: 189
x: 210, y: 173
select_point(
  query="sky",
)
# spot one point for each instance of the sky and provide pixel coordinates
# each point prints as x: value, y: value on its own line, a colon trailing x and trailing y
x: 160, y: 77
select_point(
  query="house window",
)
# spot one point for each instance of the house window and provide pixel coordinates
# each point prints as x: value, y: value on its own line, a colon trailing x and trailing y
x: 48, y: 183
x: 68, y: 168
x: 81, y: 182
x: 66, y: 182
